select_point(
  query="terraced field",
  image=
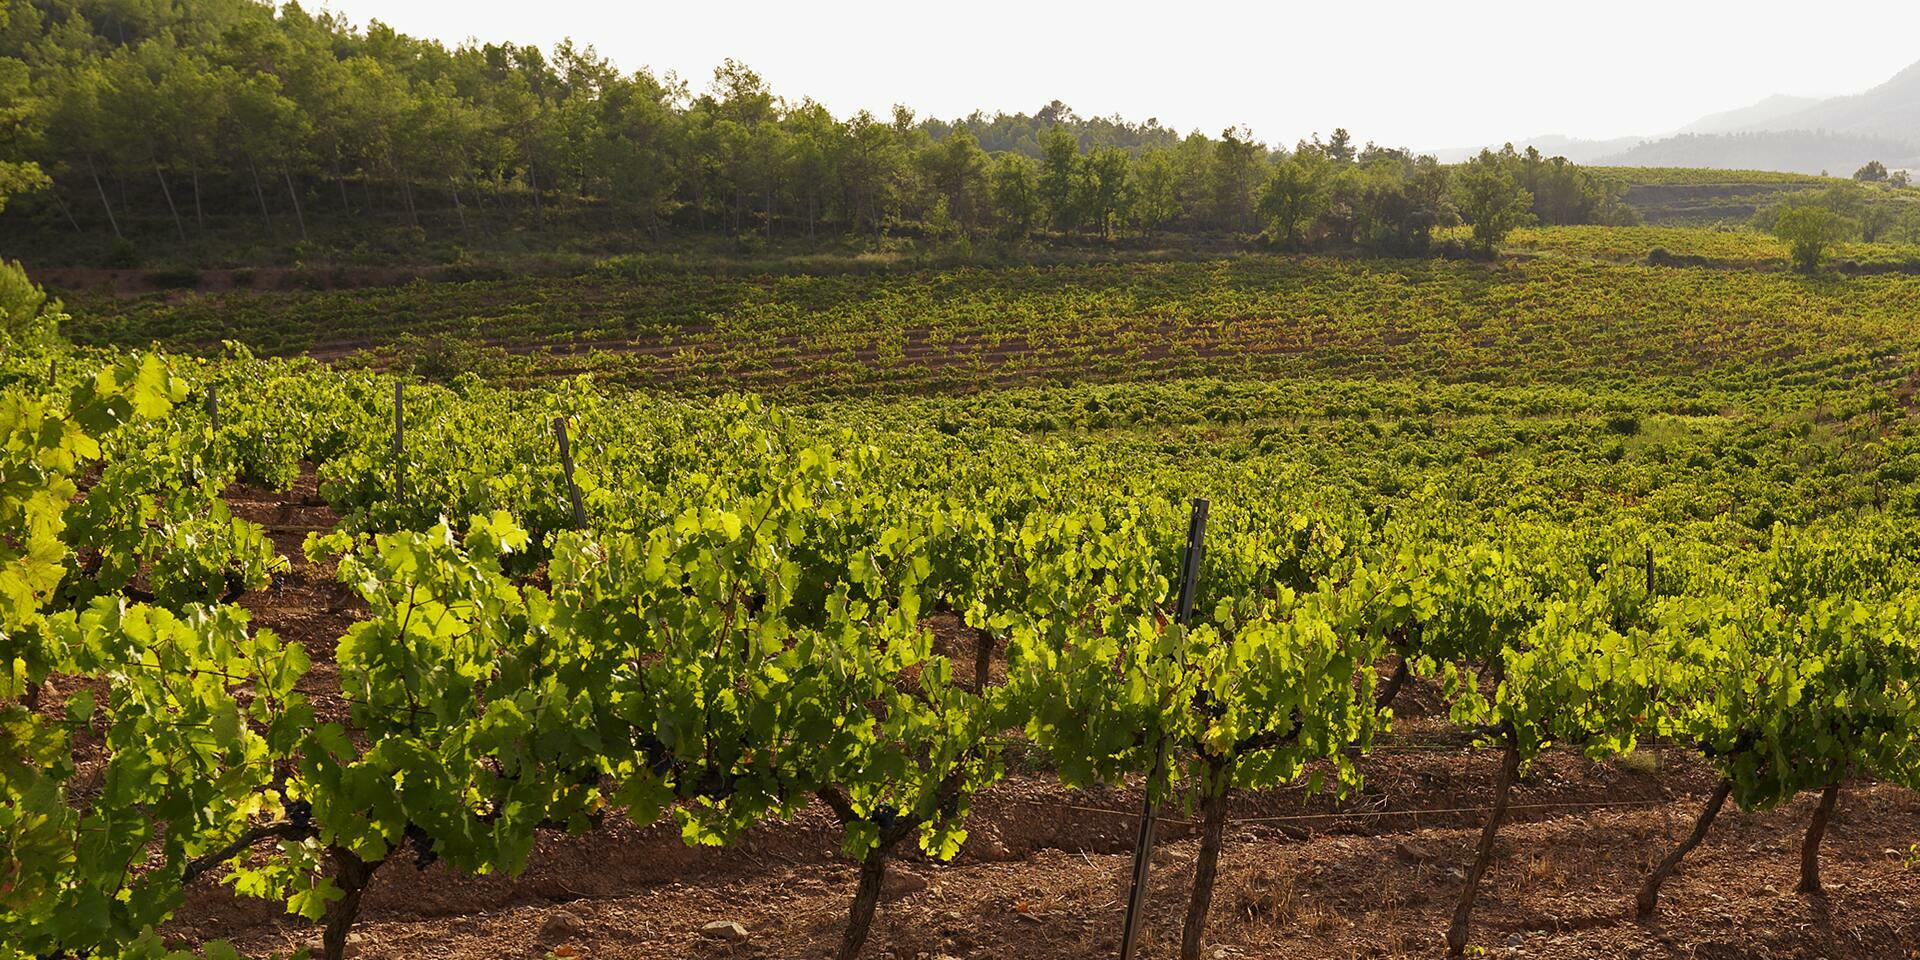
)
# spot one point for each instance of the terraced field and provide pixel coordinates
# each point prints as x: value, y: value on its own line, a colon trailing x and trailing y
x: 1562, y: 319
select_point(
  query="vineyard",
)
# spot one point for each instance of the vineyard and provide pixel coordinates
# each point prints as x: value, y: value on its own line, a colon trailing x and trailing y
x: 1682, y: 246
x: 1468, y: 568
x: 1560, y: 319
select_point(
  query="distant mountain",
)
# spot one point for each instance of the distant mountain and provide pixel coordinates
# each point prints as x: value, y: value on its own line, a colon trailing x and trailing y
x: 1834, y: 135
x: 1794, y: 151
x: 1891, y: 109
x: 1756, y: 117
x: 1798, y: 135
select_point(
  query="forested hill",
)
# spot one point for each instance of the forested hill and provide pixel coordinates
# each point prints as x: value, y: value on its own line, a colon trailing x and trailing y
x: 205, y: 130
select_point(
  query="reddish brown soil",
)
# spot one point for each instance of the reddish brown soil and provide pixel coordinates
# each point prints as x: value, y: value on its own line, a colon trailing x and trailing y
x: 304, y: 604
x: 1044, y: 872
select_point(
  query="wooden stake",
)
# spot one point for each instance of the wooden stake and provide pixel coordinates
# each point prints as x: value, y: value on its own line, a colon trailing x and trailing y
x: 399, y: 440
x: 566, y: 465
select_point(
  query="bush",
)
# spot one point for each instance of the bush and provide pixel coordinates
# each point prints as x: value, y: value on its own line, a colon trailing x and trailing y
x: 1662, y: 257
x: 176, y: 278
x: 1452, y: 249
x: 123, y: 255
x: 26, y: 315
x: 1624, y: 424
x: 448, y: 360
x: 1810, y: 232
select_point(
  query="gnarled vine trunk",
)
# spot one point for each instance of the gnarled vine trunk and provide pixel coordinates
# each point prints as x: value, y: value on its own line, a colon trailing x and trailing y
x: 1385, y: 696
x: 352, y: 876
x: 1207, y: 867
x: 1810, y: 849
x: 1463, y: 911
x: 1643, y: 905
x: 982, y: 660
x: 866, y: 899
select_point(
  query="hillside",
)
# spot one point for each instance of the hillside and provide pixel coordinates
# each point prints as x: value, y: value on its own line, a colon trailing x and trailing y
x: 1797, y: 134
x: 1491, y: 441
x: 1890, y: 110
x: 1755, y: 117
x: 1798, y: 151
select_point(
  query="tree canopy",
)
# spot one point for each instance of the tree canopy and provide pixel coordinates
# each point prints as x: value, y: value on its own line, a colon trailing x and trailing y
x: 162, y: 122
x: 1809, y: 232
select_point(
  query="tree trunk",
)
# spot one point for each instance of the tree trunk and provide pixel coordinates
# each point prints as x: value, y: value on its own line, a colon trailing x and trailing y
x: 179, y: 226
x: 199, y: 214
x: 62, y: 204
x: 258, y: 193
x: 457, y: 207
x: 873, y: 873
x: 1463, y: 912
x: 533, y: 181
x: 1810, y: 850
x: 294, y: 195
x: 105, y: 204
x: 406, y: 191
x: 352, y: 878
x: 340, y: 180
x: 1207, y: 867
x: 1644, y: 904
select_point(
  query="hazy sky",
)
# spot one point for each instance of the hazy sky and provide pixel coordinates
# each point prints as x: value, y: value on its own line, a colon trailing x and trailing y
x: 1432, y: 74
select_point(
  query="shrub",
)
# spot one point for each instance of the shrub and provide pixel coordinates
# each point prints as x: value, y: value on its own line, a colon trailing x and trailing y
x: 123, y: 255
x: 1624, y: 424
x: 1810, y: 233
x: 26, y: 315
x: 175, y: 278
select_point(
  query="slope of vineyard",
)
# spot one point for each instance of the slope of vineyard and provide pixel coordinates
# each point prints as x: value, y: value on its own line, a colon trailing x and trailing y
x: 1433, y: 601
x: 472, y: 500
x: 1725, y: 249
x: 1559, y: 319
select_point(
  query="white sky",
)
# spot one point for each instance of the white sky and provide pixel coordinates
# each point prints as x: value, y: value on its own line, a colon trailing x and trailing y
x: 1427, y: 75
